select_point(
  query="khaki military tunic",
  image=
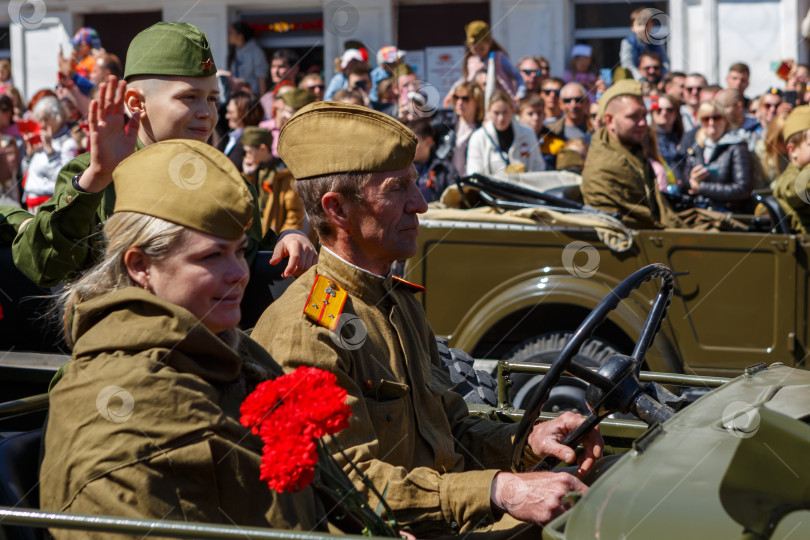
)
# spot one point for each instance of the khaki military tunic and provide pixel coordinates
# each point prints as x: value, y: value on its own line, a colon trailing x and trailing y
x: 796, y: 209
x: 144, y: 423
x: 411, y: 435
x: 617, y: 180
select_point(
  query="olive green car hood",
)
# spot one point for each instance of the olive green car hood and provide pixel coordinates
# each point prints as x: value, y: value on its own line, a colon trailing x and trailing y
x: 734, y: 461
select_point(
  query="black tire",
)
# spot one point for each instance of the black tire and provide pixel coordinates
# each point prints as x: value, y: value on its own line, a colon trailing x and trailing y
x: 569, y: 395
x: 474, y: 385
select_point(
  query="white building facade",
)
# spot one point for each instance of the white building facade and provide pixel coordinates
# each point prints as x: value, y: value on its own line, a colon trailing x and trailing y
x: 705, y: 36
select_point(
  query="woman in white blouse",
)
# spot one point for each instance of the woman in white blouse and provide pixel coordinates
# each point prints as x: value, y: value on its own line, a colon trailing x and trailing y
x: 502, y: 144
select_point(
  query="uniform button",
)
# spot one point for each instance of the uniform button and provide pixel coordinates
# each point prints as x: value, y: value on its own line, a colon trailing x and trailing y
x: 389, y: 417
x: 454, y: 525
x: 68, y: 199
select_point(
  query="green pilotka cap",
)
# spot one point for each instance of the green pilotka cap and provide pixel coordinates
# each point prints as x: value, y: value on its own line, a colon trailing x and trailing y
x: 298, y: 98
x: 625, y: 87
x: 256, y: 136
x: 186, y: 182
x: 797, y: 121
x: 327, y: 137
x: 172, y: 49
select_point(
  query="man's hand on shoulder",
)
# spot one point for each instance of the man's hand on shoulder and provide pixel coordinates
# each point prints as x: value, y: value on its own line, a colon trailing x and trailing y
x: 534, y: 497
x: 112, y: 136
x: 545, y: 440
x: 295, y: 245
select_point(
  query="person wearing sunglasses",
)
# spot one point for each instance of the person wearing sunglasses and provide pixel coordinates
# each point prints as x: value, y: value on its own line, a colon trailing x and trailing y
x: 550, y: 90
x: 531, y: 69
x: 313, y: 82
x: 574, y: 123
x: 468, y: 106
x: 718, y: 167
x: 693, y: 85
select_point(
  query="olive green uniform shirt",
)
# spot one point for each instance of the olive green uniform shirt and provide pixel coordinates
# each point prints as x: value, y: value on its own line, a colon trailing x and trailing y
x: 616, y: 179
x: 144, y: 423
x: 796, y: 209
x: 65, y: 236
x: 412, y: 436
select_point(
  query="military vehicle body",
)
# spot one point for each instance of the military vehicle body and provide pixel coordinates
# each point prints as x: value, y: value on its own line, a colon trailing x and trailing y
x: 498, y: 288
x: 733, y: 463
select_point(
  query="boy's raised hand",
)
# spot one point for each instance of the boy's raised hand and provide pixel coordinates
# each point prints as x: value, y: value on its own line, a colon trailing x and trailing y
x: 112, y: 136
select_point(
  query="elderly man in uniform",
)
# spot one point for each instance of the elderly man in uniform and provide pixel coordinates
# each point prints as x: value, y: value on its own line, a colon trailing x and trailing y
x: 442, y: 470
x: 617, y: 176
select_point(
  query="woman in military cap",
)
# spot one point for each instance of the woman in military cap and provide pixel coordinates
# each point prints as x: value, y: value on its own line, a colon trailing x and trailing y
x: 144, y: 420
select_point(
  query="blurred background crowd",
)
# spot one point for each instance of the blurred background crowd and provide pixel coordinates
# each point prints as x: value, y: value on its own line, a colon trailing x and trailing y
x: 503, y: 115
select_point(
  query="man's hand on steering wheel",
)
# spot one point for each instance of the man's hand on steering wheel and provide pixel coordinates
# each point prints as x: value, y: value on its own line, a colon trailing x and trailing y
x: 546, y: 440
x: 534, y: 497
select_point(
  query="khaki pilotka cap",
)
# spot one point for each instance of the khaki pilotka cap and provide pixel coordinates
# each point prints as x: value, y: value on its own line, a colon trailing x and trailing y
x: 256, y: 136
x: 797, y: 121
x: 328, y: 137
x: 170, y: 49
x: 298, y: 98
x: 477, y: 31
x: 624, y: 87
x: 186, y: 182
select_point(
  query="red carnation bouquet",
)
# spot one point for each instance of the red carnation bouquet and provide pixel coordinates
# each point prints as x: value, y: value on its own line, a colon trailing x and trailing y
x: 292, y: 414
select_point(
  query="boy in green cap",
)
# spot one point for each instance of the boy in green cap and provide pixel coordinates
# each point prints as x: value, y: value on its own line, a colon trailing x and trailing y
x: 170, y: 90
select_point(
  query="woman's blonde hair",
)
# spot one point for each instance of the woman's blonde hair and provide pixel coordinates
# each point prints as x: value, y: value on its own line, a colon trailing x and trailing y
x: 477, y: 95
x: 706, y: 108
x: 155, y: 236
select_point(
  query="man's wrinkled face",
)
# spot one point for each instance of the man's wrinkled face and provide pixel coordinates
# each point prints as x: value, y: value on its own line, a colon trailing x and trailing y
x: 384, y: 225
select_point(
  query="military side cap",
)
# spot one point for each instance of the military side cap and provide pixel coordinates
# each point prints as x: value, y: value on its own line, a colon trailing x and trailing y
x: 186, y: 182
x: 298, y: 98
x: 401, y: 69
x: 256, y: 136
x: 569, y: 159
x: 477, y: 31
x: 797, y: 121
x: 327, y: 137
x: 625, y: 87
x: 170, y: 49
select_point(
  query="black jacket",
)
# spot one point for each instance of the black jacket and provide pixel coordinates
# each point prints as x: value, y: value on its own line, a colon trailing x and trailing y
x: 728, y: 186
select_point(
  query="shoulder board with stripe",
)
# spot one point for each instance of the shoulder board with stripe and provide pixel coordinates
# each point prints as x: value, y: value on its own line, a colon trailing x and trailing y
x: 413, y: 287
x: 325, y: 302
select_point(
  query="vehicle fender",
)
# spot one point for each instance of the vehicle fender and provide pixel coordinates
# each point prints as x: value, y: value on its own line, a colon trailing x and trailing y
x: 557, y: 286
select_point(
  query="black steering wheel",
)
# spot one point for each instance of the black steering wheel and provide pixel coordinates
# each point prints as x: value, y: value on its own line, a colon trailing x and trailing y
x: 614, y: 387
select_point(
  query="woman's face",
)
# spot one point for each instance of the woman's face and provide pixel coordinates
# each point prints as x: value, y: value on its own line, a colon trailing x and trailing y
x: 581, y: 63
x: 665, y: 114
x: 206, y: 275
x: 481, y: 49
x: 500, y: 114
x: 233, y: 116
x: 464, y: 104
x: 714, y: 125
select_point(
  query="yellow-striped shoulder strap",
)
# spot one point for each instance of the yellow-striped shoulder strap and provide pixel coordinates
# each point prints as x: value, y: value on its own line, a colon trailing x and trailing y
x: 325, y: 302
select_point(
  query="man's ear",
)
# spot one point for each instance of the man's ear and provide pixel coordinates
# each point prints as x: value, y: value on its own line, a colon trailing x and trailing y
x: 135, y: 100
x: 137, y: 266
x: 336, y: 207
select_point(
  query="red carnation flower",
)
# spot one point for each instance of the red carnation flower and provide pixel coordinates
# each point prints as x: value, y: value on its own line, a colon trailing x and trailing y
x: 289, y: 413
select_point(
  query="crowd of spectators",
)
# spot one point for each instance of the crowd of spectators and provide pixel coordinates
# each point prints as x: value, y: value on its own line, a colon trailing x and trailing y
x: 700, y: 134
